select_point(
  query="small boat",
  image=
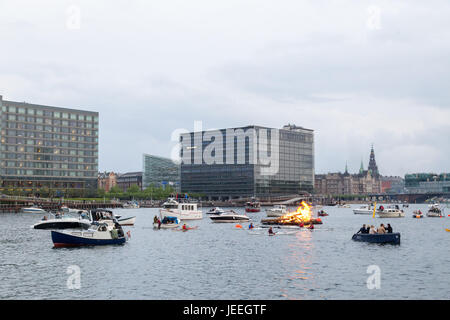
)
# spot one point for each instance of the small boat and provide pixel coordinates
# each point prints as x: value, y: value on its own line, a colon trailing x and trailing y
x: 252, y: 206
x: 33, y: 210
x: 215, y: 210
x: 435, y: 211
x: 181, y: 210
x: 344, y: 206
x: 393, y: 238
x: 131, y: 205
x: 365, y: 209
x: 448, y: 230
x: 390, y: 212
x: 322, y: 213
x: 277, y: 211
x: 100, y: 233
x: 168, y: 223
x: 65, y: 221
x: 229, y: 216
x: 417, y: 214
x: 127, y: 221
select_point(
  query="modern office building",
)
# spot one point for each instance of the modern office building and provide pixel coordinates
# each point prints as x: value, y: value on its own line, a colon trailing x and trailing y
x: 250, y: 161
x: 46, y: 148
x: 427, y: 183
x: 126, y: 180
x: 160, y: 172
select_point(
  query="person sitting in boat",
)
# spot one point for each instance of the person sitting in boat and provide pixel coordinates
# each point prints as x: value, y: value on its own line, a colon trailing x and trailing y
x: 301, y: 225
x: 155, y: 219
x: 184, y: 227
x: 311, y: 226
x: 381, y: 208
x: 45, y: 218
x: 372, y: 230
x: 363, y: 229
x: 250, y: 227
x: 271, y: 231
x: 381, y: 229
x: 159, y: 223
x: 367, y: 229
x: 389, y: 228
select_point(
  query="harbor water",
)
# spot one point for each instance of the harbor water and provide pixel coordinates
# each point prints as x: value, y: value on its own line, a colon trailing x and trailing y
x: 220, y: 261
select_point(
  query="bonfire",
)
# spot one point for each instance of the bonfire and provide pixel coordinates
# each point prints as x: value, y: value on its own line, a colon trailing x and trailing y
x: 303, y: 215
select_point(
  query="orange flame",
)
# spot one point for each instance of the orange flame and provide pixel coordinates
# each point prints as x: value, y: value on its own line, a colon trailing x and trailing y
x: 301, y: 215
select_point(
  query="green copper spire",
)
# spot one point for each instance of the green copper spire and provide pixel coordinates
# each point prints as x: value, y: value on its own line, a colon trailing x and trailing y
x: 361, y: 170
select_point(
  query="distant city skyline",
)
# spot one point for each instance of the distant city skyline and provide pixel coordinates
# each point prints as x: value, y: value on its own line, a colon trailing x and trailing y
x: 149, y: 69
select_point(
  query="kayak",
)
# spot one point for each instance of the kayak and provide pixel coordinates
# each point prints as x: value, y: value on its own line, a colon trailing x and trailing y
x: 448, y: 230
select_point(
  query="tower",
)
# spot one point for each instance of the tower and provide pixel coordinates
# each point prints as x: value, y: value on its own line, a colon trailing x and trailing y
x: 373, y: 164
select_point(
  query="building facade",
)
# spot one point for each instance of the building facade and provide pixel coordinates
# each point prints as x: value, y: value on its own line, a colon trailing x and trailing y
x: 427, y: 183
x: 250, y: 161
x: 107, y: 180
x: 126, y: 180
x: 160, y: 172
x: 362, y: 183
x: 392, y: 185
x: 47, y: 149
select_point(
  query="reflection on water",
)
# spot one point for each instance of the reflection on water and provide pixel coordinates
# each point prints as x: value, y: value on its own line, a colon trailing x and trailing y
x: 219, y: 261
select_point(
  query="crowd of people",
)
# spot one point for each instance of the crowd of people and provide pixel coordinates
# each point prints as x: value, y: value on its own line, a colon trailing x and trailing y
x: 372, y: 230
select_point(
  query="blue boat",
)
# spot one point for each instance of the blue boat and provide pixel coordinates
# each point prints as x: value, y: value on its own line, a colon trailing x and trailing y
x: 103, y: 232
x: 393, y: 238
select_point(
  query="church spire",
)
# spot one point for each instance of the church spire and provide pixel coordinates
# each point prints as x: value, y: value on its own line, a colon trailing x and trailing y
x: 373, y: 164
x: 361, y: 170
x: 346, y: 168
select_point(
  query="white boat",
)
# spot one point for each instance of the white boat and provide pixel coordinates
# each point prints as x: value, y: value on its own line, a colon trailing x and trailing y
x: 180, y: 210
x: 80, y: 220
x: 435, y: 211
x: 229, y: 216
x: 131, y: 205
x: 365, y: 209
x: 215, y: 210
x: 277, y: 211
x: 33, y: 210
x: 127, y: 221
x: 168, y: 223
x: 344, y: 206
x: 391, y: 212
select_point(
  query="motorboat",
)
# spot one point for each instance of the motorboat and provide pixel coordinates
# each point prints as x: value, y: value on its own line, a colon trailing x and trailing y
x: 127, y: 221
x: 33, y: 210
x: 181, y: 210
x: 417, y: 214
x: 80, y: 220
x: 252, y: 206
x: 131, y: 205
x: 393, y: 238
x: 215, y: 210
x: 229, y: 216
x: 277, y: 211
x: 106, y: 232
x: 365, y: 209
x: 168, y: 223
x: 435, y: 211
x: 390, y: 212
x: 344, y: 206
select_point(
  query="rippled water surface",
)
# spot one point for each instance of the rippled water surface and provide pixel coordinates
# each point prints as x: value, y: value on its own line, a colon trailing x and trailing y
x: 219, y: 261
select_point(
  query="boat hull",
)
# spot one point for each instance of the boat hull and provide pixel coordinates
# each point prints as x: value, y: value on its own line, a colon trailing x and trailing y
x: 127, y: 221
x: 362, y: 211
x: 166, y: 225
x: 391, y: 215
x: 252, y: 210
x: 61, y: 239
x: 191, y: 215
x: 229, y: 219
x: 393, y: 238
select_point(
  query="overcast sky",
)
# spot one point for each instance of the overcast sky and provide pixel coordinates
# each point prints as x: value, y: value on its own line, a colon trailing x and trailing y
x: 357, y: 72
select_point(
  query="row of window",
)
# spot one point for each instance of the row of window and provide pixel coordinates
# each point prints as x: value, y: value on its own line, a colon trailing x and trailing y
x: 47, y: 133
x: 49, y: 113
x: 43, y: 157
x: 46, y: 165
x: 48, y: 173
x: 48, y: 127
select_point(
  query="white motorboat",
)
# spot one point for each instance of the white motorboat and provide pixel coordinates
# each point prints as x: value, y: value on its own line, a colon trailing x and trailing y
x: 168, y: 223
x: 435, y: 211
x: 180, y: 210
x: 131, y: 205
x: 365, y: 209
x: 127, y: 221
x: 391, y: 212
x: 344, y: 206
x: 215, y: 210
x: 229, y: 216
x: 33, y: 210
x: 277, y: 211
x: 80, y: 220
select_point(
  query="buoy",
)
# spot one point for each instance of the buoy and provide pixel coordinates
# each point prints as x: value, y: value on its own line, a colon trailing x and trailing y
x: 239, y: 226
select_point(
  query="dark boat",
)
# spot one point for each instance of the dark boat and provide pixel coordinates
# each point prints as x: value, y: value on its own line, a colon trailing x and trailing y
x: 253, y: 206
x: 393, y: 238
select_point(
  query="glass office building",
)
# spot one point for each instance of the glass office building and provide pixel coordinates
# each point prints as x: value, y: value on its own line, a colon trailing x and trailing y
x: 250, y: 161
x: 160, y: 172
x: 50, y: 148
